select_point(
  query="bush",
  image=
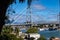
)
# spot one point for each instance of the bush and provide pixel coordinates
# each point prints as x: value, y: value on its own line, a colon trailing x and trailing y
x: 9, y: 37
x: 32, y: 30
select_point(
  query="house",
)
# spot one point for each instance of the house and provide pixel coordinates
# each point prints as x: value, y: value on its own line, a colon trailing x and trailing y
x: 35, y: 36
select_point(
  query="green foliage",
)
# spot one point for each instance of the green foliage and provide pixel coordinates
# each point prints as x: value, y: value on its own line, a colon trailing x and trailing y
x: 9, y: 37
x: 32, y: 30
x: 7, y: 29
x: 41, y: 38
x: 21, y: 38
x: 5, y: 35
x: 17, y: 30
x: 41, y: 26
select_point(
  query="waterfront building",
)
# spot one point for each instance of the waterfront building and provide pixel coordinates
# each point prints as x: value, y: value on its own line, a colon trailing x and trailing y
x: 32, y: 35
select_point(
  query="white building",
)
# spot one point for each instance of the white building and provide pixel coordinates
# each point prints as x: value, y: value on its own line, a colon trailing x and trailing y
x: 35, y: 35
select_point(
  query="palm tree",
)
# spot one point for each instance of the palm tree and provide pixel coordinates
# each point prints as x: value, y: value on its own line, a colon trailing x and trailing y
x: 29, y: 3
x: 3, y: 7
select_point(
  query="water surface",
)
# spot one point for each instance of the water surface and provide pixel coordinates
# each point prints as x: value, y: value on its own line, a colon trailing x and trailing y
x: 48, y: 34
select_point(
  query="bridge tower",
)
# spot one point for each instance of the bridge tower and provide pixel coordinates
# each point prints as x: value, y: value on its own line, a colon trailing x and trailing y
x: 29, y: 17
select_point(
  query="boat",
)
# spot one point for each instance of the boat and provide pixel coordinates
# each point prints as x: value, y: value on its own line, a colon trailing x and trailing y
x: 52, y: 29
x: 41, y: 29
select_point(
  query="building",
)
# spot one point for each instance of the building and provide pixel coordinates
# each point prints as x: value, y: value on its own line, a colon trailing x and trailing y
x: 35, y: 36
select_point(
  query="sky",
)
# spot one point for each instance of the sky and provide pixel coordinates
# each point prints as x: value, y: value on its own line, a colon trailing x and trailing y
x: 41, y: 10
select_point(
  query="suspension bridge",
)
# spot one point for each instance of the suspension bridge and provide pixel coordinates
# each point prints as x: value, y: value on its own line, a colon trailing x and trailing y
x: 27, y: 17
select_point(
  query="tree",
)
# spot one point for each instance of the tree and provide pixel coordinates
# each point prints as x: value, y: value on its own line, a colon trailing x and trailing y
x: 7, y: 29
x: 20, y: 38
x: 17, y: 30
x: 41, y: 38
x: 41, y: 26
x: 32, y: 30
x: 10, y: 29
x: 5, y: 34
x: 3, y: 7
x: 9, y: 37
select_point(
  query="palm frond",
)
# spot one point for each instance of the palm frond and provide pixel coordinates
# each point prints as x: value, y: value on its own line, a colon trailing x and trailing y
x: 21, y: 1
x: 29, y: 3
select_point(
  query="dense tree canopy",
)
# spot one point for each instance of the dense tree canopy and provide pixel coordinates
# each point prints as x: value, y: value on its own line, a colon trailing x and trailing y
x: 6, y: 34
x: 7, y: 29
x: 17, y: 30
x: 9, y: 37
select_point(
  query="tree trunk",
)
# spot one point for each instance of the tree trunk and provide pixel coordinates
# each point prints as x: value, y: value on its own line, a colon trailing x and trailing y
x: 3, y: 8
x: 2, y: 16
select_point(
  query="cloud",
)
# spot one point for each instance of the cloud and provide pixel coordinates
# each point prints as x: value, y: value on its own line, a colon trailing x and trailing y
x: 39, y: 7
